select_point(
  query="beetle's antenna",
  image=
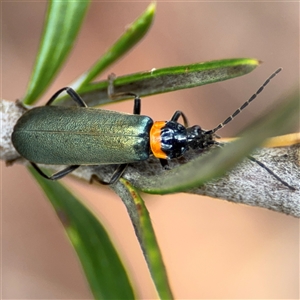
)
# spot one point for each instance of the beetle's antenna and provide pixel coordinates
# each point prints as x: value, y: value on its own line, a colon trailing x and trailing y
x: 263, y: 166
x: 221, y: 125
x: 271, y: 172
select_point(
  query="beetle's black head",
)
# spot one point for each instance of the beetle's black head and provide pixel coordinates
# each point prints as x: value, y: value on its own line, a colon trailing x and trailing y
x: 197, y: 138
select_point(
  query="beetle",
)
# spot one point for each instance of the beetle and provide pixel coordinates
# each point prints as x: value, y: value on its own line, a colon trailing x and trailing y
x: 81, y: 135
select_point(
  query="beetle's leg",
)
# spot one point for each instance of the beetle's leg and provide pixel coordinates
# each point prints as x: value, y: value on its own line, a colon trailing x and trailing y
x: 116, y: 175
x: 72, y: 94
x: 111, y: 90
x: 57, y: 175
x: 179, y: 114
x: 110, y: 87
x: 137, y: 106
x: 164, y: 163
x: 75, y: 96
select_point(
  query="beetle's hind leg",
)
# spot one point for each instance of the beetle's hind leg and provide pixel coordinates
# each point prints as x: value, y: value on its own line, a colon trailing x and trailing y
x: 115, y: 176
x: 74, y: 96
x: 57, y: 175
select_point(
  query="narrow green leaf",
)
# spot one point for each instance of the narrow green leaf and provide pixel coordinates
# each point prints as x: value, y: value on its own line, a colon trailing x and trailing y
x: 168, y: 79
x: 134, y: 33
x: 100, y: 261
x: 217, y: 161
x: 60, y: 30
x: 141, y: 221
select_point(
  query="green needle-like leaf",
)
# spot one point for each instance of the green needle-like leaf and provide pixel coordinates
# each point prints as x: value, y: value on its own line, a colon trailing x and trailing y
x: 134, y: 33
x: 60, y: 30
x: 168, y: 79
x: 100, y: 261
x: 141, y: 221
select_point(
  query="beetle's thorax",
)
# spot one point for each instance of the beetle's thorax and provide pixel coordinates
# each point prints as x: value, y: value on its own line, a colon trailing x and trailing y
x: 168, y: 139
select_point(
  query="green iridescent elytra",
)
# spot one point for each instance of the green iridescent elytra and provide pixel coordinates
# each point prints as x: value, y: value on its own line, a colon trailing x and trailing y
x: 81, y: 136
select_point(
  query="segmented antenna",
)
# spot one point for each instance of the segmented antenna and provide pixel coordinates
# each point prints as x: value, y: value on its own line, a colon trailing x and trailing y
x: 271, y: 172
x: 221, y: 125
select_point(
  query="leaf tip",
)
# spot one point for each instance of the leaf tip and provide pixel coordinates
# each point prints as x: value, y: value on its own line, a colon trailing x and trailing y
x: 255, y: 62
x: 152, y: 7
